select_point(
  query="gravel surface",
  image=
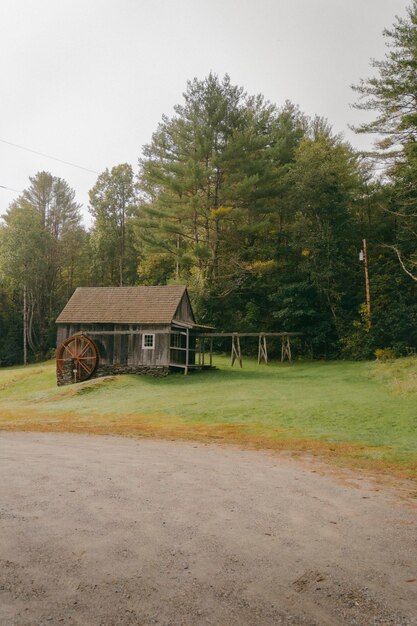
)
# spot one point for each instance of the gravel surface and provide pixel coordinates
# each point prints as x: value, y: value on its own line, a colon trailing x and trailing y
x: 106, y: 530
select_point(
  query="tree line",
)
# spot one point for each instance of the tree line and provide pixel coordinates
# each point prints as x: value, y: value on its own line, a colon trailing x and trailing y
x: 260, y: 210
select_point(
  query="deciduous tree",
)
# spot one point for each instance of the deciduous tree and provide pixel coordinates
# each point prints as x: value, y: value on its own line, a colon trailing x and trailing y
x: 37, y: 245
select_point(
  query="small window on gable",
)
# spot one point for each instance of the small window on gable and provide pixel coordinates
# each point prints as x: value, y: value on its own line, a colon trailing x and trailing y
x: 148, y: 342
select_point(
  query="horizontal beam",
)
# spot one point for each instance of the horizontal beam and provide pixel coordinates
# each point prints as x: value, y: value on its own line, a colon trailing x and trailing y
x: 183, y: 349
x: 260, y: 334
x: 131, y: 332
x: 194, y: 366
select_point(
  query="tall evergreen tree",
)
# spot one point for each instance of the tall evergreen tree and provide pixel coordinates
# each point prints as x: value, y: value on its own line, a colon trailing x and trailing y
x: 210, y: 180
x: 112, y: 204
x: 314, y: 286
x: 392, y: 95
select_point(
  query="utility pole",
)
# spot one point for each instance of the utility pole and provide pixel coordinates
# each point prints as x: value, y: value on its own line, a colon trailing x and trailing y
x: 25, y: 328
x: 122, y: 241
x: 363, y: 256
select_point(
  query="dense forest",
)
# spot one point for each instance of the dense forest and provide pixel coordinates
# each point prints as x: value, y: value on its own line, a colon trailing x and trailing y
x: 260, y: 210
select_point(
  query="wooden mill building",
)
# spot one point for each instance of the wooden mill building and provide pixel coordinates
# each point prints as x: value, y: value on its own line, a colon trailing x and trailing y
x: 126, y: 330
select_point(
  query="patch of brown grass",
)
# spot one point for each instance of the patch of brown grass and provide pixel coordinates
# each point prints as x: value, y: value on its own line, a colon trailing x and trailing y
x: 342, y: 454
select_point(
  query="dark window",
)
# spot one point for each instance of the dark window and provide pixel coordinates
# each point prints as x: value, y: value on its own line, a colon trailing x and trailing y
x: 177, y: 341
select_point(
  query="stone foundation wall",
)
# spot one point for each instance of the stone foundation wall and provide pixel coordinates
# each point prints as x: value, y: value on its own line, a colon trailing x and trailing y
x: 143, y: 370
x: 66, y: 377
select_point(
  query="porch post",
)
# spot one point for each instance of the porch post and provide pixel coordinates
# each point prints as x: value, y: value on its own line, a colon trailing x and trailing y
x: 187, y: 351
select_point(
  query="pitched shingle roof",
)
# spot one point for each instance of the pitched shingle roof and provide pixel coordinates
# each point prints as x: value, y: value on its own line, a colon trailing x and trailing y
x: 122, y: 305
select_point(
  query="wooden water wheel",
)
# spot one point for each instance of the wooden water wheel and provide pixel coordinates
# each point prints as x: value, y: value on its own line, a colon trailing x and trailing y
x: 82, y: 352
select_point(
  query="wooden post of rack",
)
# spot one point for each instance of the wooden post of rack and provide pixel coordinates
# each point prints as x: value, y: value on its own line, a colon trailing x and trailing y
x: 262, y: 351
x: 286, y: 349
x: 236, y: 352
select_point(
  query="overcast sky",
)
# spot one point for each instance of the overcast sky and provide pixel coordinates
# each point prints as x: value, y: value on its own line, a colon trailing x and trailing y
x: 87, y: 81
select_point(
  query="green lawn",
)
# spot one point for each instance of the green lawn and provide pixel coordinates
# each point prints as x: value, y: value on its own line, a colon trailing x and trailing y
x: 361, y: 413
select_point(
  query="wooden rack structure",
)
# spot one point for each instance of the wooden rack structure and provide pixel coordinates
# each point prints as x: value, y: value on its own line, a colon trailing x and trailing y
x: 236, y: 352
x: 190, y: 351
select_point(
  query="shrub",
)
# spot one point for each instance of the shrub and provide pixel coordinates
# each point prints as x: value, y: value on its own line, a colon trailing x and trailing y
x: 384, y: 354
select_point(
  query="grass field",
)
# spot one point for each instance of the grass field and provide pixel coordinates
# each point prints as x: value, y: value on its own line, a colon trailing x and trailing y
x: 360, y: 414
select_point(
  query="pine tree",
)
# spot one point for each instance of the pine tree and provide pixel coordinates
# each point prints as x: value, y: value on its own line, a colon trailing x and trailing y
x: 113, y: 203
x: 392, y: 94
x: 211, y: 179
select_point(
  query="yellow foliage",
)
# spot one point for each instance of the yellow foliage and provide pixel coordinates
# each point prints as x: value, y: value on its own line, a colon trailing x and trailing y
x: 221, y: 211
x: 261, y: 266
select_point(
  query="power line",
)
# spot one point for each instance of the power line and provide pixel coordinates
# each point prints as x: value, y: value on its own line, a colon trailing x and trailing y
x: 9, y: 188
x: 48, y: 156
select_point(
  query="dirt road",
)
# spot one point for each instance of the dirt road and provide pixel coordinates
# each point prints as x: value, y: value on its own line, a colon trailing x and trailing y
x: 106, y: 530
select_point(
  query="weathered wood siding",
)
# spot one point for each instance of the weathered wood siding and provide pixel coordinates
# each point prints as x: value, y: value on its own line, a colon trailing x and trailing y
x: 184, y: 312
x: 123, y: 349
